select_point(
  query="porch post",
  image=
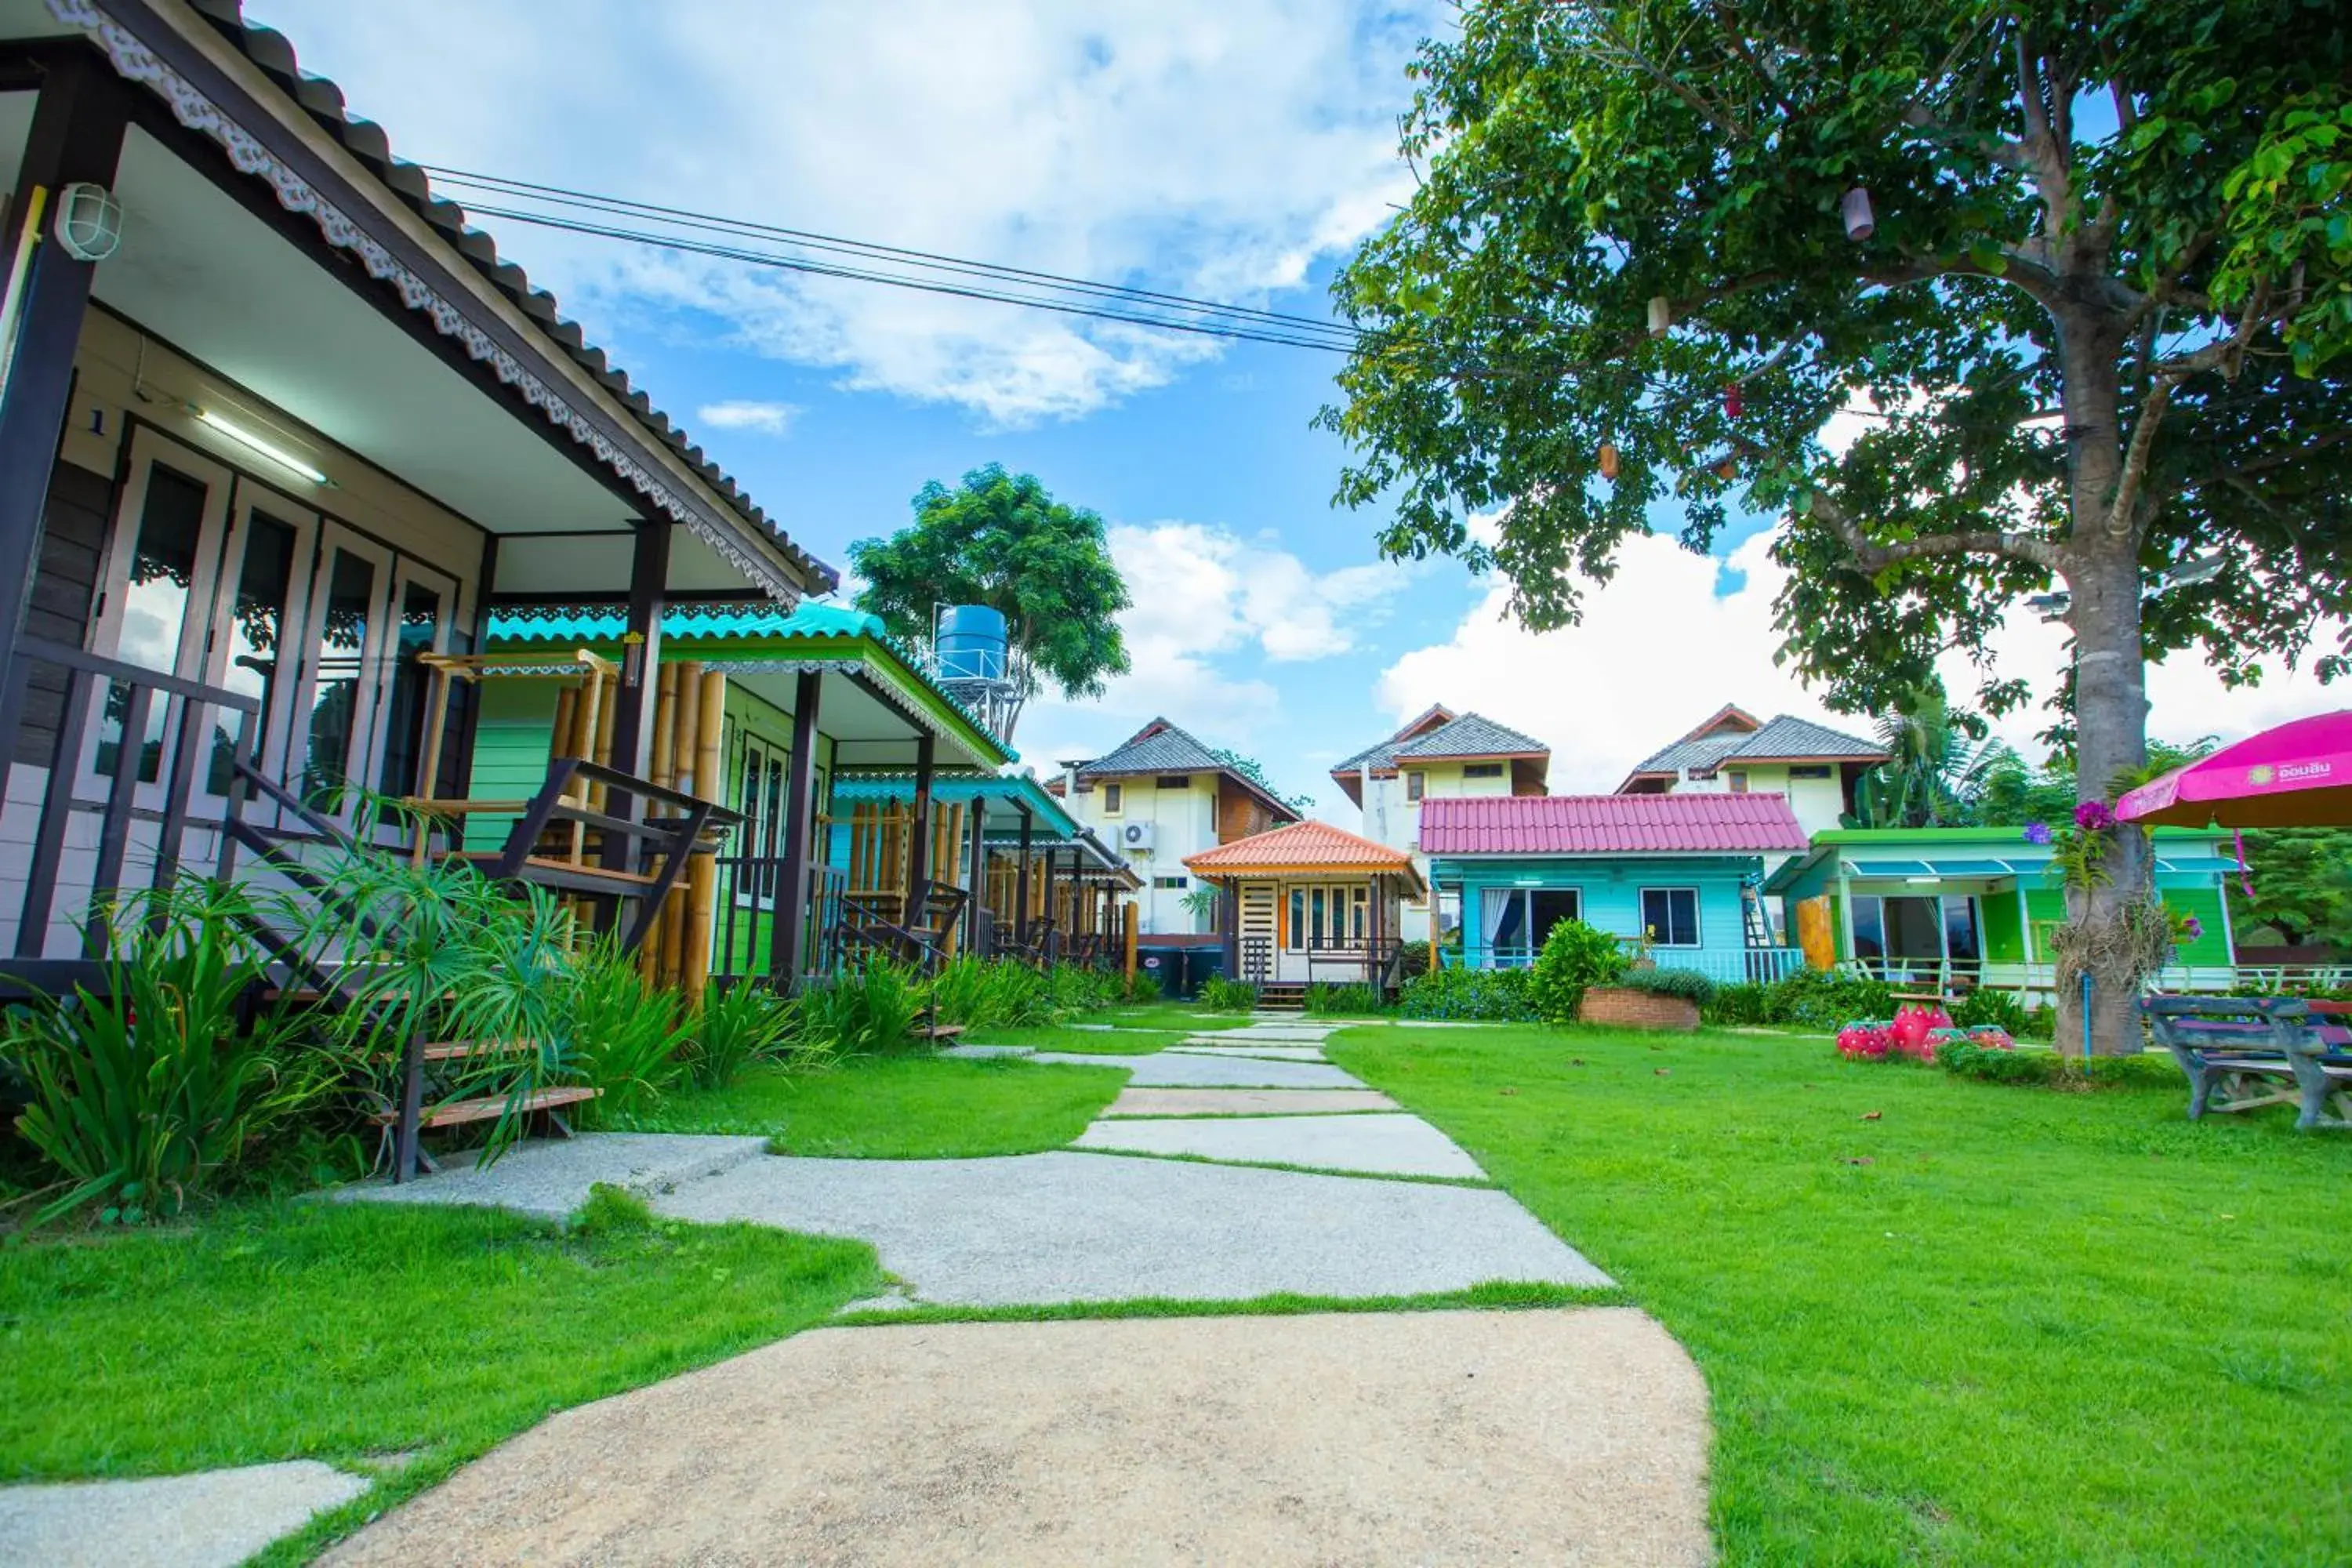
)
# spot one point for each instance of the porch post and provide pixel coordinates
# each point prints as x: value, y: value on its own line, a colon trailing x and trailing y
x: 75, y: 135
x: 919, y: 853
x: 1021, y: 885
x: 1376, y: 898
x: 1229, y: 922
x: 1052, y: 930
x: 633, y: 727
x: 787, y: 928
x: 978, y: 883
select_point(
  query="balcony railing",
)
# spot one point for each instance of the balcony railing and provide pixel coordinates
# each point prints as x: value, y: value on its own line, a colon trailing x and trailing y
x: 1724, y: 965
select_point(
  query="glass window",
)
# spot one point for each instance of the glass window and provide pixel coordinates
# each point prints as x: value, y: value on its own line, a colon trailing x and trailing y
x: 1482, y: 770
x: 1961, y: 930
x: 1869, y: 927
x: 1414, y: 784
x: 411, y: 684
x: 1810, y: 771
x: 1547, y: 907
x: 1114, y: 799
x: 1737, y: 779
x: 335, y: 717
x: 257, y: 634
x: 1176, y: 781
x: 1671, y: 916
x: 156, y: 605
x: 1505, y: 913
x: 1297, y: 933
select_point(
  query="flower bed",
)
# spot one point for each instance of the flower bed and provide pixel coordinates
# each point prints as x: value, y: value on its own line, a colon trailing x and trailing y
x: 1636, y: 1008
x: 1916, y: 1034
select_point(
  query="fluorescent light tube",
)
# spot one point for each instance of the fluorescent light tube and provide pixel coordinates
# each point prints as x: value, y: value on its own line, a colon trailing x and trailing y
x: 277, y: 455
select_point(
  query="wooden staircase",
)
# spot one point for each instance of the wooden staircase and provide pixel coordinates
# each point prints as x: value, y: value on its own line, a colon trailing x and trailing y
x: 1282, y: 996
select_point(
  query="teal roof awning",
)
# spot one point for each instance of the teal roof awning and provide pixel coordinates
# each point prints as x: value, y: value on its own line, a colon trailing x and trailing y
x: 1940, y: 865
x: 606, y: 623
x: 2197, y: 865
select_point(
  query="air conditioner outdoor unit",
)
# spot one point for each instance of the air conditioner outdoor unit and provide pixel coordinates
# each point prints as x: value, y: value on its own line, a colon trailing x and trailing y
x: 1136, y: 836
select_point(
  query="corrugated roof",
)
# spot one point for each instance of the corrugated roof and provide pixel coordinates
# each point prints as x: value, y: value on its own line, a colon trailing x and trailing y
x: 1302, y: 845
x: 1474, y: 735
x: 1609, y: 824
x: 365, y: 141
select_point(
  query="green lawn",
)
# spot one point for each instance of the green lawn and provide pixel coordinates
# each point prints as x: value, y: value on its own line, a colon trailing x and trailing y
x: 1186, y: 1016
x: 351, y: 1332
x: 1992, y: 1324
x: 911, y: 1107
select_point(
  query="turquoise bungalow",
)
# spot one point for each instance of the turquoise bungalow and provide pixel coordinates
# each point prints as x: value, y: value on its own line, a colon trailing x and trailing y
x: 1683, y: 870
x: 1955, y: 907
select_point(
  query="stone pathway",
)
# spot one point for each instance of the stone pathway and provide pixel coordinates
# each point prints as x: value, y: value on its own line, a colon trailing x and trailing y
x: 216, y: 1520
x: 1570, y: 1434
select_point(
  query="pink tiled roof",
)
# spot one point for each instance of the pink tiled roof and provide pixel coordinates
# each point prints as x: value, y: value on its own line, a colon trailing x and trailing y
x: 1609, y: 824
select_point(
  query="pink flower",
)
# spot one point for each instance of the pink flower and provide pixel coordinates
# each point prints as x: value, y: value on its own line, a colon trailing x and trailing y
x: 2092, y: 817
x: 2192, y: 928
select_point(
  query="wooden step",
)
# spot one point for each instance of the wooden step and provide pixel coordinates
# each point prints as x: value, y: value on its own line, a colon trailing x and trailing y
x: 466, y: 1050
x: 491, y: 1107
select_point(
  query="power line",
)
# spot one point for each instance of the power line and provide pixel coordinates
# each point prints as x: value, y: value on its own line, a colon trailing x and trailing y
x: 927, y: 271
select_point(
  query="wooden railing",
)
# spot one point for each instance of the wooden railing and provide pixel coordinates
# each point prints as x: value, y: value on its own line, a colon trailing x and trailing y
x: 189, y: 739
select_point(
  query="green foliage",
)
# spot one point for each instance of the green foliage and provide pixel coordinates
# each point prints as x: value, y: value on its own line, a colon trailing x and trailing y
x: 1354, y: 999
x: 622, y: 1034
x: 152, y: 1091
x: 1962, y: 1059
x: 1000, y: 540
x: 1506, y: 994
x: 987, y: 994
x: 1573, y: 162
x: 1220, y: 994
x: 2303, y: 887
x: 1575, y: 957
x: 1937, y: 760
x: 1741, y: 1002
x: 2001, y: 1009
x: 1688, y: 984
x: 1141, y: 988
x: 742, y: 1026
x: 1074, y: 990
x: 1824, y: 999
x: 1254, y: 771
x: 871, y: 1005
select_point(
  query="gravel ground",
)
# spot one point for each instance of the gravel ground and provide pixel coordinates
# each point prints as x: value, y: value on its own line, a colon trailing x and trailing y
x: 552, y: 1177
x: 1572, y: 1437
x: 1246, y: 1101
x: 216, y: 1520
x: 1393, y: 1145
x: 1167, y: 1069
x: 1094, y: 1227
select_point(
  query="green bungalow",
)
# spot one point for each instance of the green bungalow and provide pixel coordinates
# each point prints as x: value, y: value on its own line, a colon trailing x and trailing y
x: 1932, y: 906
x: 801, y: 699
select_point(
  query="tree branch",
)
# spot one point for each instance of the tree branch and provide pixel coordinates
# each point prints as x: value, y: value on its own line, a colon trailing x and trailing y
x: 1872, y: 556
x: 2224, y: 354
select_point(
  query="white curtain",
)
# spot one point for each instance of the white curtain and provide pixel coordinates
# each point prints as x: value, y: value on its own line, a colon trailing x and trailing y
x: 1494, y: 908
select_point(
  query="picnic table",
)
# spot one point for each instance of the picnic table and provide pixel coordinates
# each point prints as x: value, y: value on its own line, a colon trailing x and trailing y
x: 2245, y: 1052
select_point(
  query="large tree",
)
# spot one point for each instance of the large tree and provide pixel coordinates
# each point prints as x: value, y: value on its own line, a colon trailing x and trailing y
x: 1994, y: 235
x: 1001, y: 541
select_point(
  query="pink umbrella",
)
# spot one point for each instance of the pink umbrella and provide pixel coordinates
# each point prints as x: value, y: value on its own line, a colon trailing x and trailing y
x: 2296, y: 775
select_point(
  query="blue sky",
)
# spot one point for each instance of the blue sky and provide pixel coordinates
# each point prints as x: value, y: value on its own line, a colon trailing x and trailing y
x: 1230, y: 149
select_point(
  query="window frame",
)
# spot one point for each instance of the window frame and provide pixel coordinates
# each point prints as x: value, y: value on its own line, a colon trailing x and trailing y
x: 1735, y: 780
x: 1482, y: 770
x: 1335, y: 915
x: 1416, y: 786
x: 1667, y: 890
x: 1114, y: 799
x: 1172, y: 781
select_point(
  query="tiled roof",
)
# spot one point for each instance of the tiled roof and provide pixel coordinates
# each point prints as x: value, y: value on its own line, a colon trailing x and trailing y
x: 1383, y: 757
x: 1609, y: 824
x: 366, y: 141
x: 1302, y: 847
x: 1782, y: 739
x: 1159, y: 747
x: 1468, y: 735
x: 1472, y: 736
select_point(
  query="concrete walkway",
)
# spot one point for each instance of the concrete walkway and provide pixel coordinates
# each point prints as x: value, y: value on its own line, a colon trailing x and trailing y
x: 1541, y: 1437
x: 1570, y: 1435
x: 215, y: 1520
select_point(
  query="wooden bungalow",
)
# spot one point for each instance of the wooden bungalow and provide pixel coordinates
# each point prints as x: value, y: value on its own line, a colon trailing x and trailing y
x: 279, y: 429
x: 1311, y: 902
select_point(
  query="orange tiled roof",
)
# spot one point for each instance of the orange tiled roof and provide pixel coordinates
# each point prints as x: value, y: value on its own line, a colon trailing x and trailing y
x: 1303, y: 847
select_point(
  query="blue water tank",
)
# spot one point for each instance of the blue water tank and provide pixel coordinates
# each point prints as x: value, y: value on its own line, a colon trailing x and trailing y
x: 972, y: 643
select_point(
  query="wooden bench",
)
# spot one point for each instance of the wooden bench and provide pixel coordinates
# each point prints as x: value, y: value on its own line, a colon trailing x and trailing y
x: 2242, y: 1053
x: 545, y: 1103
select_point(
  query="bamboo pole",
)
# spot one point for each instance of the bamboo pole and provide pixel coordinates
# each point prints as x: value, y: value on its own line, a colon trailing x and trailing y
x: 559, y: 740
x: 683, y: 682
x: 1127, y: 938
x: 702, y: 871
x: 664, y: 759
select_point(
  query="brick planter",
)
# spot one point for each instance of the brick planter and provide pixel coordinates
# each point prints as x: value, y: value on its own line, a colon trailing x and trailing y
x: 1629, y: 1009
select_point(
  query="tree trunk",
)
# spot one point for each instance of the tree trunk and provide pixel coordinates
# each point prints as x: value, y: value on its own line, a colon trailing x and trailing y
x: 2101, y: 573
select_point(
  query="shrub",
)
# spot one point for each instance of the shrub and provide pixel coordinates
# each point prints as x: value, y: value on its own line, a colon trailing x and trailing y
x: 1220, y: 994
x: 1998, y: 1009
x: 1821, y: 999
x: 1741, y: 1002
x: 1688, y: 984
x: 1141, y: 987
x: 739, y: 1026
x: 621, y: 1034
x: 150, y: 1092
x: 1575, y: 956
x: 869, y: 1007
x: 1355, y: 998
x: 1989, y: 1063
x: 1505, y: 994
x: 1074, y: 990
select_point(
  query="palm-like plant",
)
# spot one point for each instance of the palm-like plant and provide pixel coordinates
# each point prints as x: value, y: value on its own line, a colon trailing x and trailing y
x: 1938, y: 759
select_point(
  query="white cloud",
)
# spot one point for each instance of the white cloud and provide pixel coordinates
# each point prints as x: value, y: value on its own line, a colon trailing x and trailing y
x: 1658, y: 650
x: 1205, y: 601
x: 766, y: 418
x: 1220, y: 149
